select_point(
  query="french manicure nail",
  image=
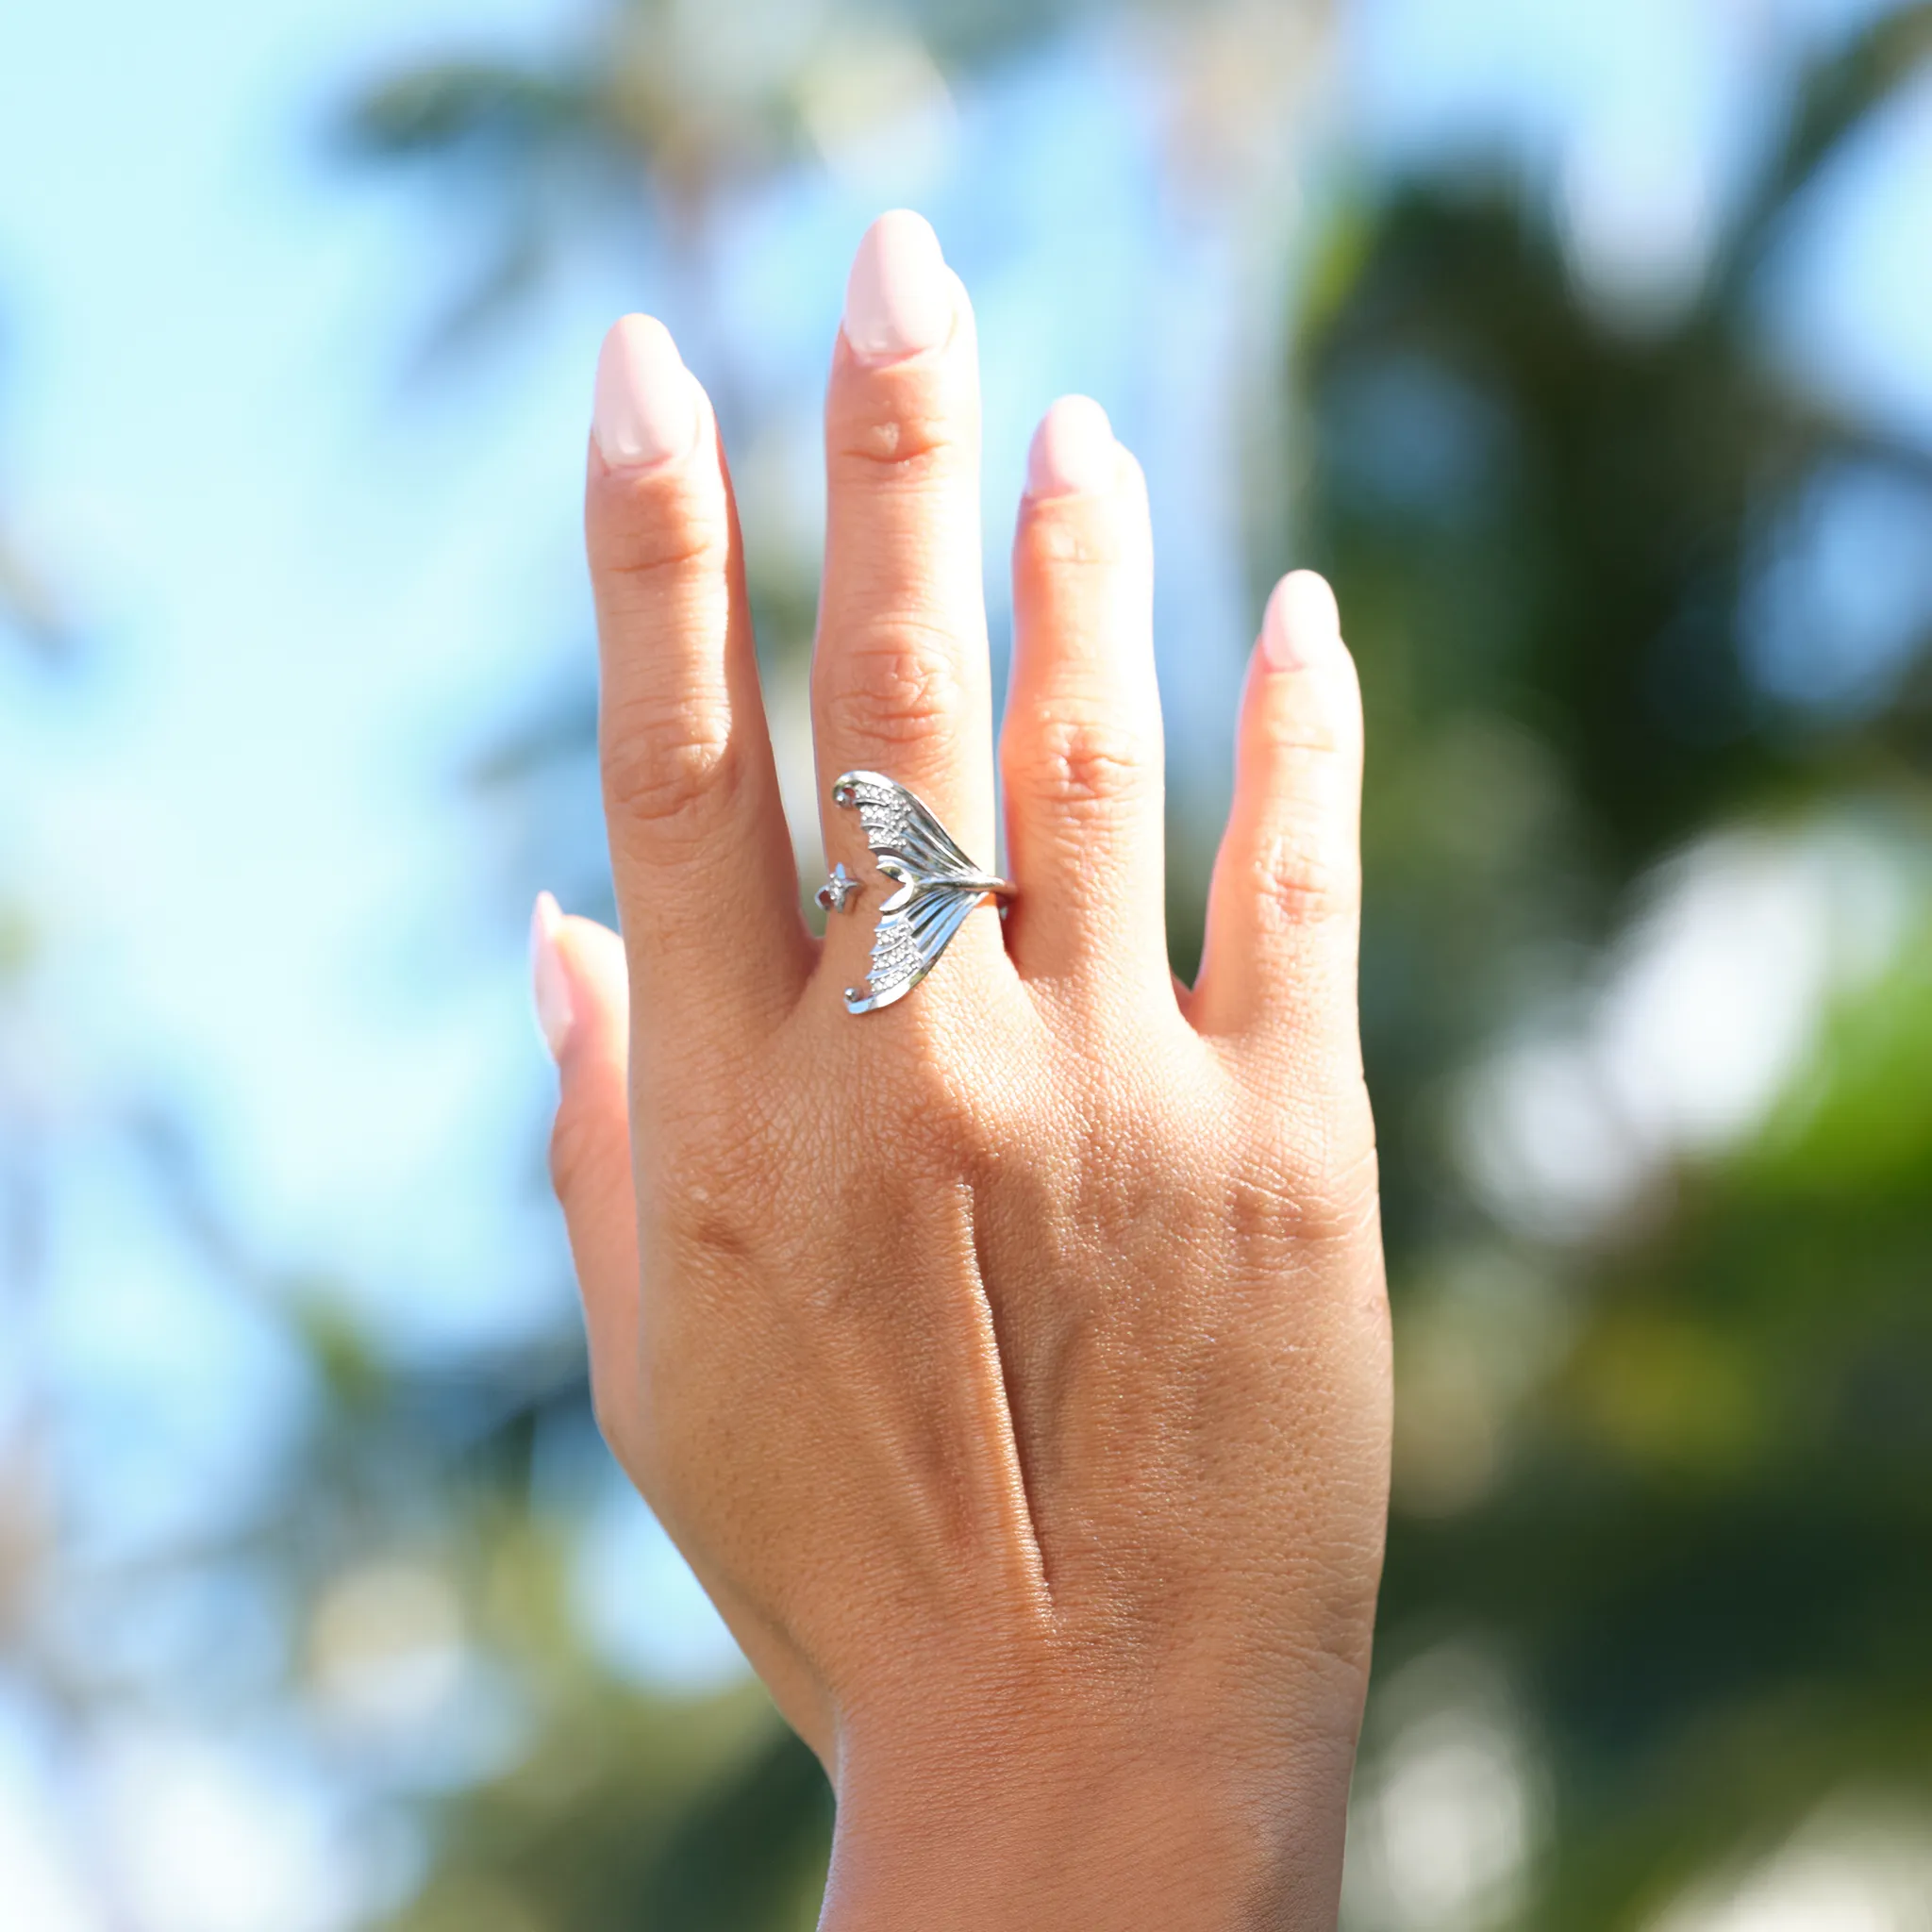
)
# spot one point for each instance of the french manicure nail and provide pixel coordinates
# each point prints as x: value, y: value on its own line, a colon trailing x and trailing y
x: 645, y: 408
x: 1301, y: 622
x: 899, y: 297
x: 1072, y: 450
x: 549, y: 983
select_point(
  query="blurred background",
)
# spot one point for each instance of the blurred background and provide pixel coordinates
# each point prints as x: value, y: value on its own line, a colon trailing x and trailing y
x: 1588, y: 347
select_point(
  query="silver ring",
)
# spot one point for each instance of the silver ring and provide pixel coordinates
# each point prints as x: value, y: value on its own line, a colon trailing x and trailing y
x: 938, y: 887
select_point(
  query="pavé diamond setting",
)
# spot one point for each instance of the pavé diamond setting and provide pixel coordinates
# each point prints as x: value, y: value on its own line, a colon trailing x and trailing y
x: 938, y: 887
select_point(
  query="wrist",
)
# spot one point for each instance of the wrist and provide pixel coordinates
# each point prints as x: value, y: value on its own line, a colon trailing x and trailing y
x: 997, y: 1833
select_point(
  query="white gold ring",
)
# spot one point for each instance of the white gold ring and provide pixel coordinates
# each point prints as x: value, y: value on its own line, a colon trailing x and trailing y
x: 938, y: 886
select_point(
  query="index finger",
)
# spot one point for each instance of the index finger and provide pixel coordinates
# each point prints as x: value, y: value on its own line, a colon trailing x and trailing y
x: 707, y: 885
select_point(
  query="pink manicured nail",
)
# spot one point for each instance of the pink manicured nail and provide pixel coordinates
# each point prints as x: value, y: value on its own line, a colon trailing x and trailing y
x: 549, y: 982
x: 1301, y: 622
x: 646, y: 405
x: 1073, y: 450
x: 899, y: 297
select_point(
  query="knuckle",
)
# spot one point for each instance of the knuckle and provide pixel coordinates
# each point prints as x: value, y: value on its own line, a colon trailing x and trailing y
x: 1341, y: 1203
x: 675, y: 557
x: 1076, y: 537
x: 666, y: 762
x: 905, y: 445
x: 1307, y: 742
x: 1080, y: 765
x: 708, y: 1214
x: 1300, y: 874
x: 711, y: 1174
x: 1318, y: 1178
x: 898, y: 686
x: 657, y: 535
x: 1302, y: 732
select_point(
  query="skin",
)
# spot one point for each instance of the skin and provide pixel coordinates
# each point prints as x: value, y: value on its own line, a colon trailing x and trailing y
x: 1012, y: 1364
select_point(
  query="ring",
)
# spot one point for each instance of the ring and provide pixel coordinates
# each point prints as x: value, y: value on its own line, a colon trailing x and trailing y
x: 938, y: 887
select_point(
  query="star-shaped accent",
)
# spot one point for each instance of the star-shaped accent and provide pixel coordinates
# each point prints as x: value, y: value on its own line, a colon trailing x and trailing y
x: 833, y: 894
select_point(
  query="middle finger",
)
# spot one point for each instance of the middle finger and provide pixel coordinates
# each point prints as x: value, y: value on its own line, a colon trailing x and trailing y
x: 900, y: 683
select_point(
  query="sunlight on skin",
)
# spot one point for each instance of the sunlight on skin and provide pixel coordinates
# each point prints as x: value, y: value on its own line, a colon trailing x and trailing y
x: 1011, y: 1365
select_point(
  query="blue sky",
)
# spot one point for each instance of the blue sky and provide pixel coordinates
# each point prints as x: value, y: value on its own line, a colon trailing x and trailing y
x: 310, y: 590
x: 237, y: 825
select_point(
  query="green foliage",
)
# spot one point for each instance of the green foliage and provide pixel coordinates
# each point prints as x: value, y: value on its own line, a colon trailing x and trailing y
x: 629, y: 1814
x: 1702, y: 1547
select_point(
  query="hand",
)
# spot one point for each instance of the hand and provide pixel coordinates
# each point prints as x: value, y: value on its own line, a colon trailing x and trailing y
x: 1011, y: 1363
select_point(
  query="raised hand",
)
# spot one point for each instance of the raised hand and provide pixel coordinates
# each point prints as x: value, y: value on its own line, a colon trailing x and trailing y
x: 1011, y: 1361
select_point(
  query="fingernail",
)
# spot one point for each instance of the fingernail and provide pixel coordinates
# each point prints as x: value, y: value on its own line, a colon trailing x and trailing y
x: 549, y: 983
x: 1301, y: 622
x: 1072, y: 450
x: 899, y: 298
x: 646, y: 406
